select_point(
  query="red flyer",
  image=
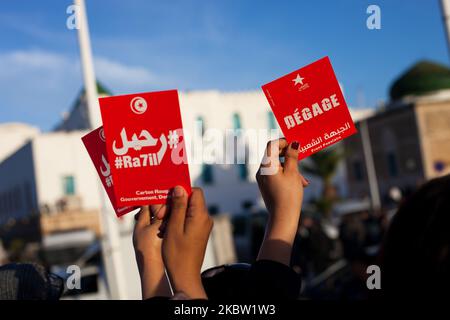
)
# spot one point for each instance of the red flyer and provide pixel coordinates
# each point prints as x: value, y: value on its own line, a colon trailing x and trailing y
x: 145, y: 146
x: 310, y: 107
x: 95, y: 144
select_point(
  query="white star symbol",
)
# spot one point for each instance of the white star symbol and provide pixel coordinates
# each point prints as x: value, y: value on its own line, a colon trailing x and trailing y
x: 298, y: 80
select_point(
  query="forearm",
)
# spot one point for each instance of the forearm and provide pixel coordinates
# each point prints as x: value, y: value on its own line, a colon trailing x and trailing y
x: 154, y: 281
x: 279, y: 238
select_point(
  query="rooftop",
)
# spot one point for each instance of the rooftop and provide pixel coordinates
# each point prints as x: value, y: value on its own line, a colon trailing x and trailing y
x: 422, y: 78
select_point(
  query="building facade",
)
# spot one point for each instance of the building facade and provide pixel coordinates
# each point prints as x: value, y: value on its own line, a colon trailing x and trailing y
x: 51, y: 172
x: 13, y: 136
x: 409, y: 138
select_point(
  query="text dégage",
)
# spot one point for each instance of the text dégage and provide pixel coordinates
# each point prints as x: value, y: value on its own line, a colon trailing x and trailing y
x: 308, y: 113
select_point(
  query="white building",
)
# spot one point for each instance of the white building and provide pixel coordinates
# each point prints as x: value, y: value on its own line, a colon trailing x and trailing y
x: 44, y: 171
x: 50, y: 166
x: 13, y: 135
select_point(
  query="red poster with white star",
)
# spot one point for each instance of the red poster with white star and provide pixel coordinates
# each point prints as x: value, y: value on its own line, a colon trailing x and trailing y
x: 95, y: 144
x: 310, y: 107
x: 145, y: 146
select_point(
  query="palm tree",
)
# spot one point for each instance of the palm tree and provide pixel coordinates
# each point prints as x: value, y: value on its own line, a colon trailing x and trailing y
x: 323, y: 165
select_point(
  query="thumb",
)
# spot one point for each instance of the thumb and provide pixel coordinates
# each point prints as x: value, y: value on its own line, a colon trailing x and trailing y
x: 178, y: 207
x: 143, y: 217
x: 197, y: 205
x: 291, y: 157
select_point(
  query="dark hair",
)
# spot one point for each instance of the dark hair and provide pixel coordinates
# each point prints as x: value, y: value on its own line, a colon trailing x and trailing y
x: 29, y: 281
x: 226, y: 282
x: 415, y: 259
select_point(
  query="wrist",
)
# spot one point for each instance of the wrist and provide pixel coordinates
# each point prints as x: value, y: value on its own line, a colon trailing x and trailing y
x: 153, y: 277
x: 288, y: 212
x: 147, y: 262
x: 190, y: 285
x: 282, y: 229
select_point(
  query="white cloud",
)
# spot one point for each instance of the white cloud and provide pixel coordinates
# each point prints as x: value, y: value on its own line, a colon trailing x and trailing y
x: 120, y: 75
x: 49, y: 66
x: 32, y: 59
x: 35, y: 71
x: 38, y: 85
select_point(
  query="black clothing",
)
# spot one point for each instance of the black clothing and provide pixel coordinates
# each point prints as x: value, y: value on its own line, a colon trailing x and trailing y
x: 263, y: 280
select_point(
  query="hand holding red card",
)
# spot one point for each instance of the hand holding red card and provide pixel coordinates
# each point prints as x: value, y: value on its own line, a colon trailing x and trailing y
x: 145, y: 146
x: 310, y: 107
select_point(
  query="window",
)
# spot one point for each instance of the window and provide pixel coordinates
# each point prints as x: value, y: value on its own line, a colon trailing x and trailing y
x: 272, y: 120
x: 357, y: 170
x: 202, y: 121
x: 392, y: 164
x: 236, y: 121
x: 242, y: 167
x: 240, y: 159
x: 207, y: 174
x: 69, y: 185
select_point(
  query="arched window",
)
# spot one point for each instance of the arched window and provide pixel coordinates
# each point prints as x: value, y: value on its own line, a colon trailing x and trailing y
x: 272, y: 120
x: 68, y: 185
x: 242, y: 167
x: 236, y: 121
x: 203, y: 126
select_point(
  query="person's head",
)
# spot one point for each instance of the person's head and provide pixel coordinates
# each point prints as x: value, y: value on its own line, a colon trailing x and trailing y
x: 23, y: 281
x: 416, y: 252
x: 226, y: 282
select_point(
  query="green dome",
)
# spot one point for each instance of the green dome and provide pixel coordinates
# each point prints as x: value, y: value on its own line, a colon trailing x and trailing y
x: 422, y: 78
x: 100, y: 89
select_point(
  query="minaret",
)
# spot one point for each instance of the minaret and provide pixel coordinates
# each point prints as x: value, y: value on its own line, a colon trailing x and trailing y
x: 112, y: 257
x: 445, y: 7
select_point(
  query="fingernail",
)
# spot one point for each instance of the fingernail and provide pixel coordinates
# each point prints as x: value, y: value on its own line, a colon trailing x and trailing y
x: 295, y: 145
x: 178, y: 191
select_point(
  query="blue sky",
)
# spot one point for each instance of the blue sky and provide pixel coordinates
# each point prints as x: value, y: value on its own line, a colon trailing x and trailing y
x: 142, y: 45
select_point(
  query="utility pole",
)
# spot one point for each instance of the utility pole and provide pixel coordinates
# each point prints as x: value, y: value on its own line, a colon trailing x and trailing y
x: 370, y: 166
x: 445, y: 7
x: 112, y: 257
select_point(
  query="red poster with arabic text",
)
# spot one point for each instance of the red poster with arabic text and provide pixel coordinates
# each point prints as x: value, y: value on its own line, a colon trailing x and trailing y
x: 145, y: 146
x: 310, y: 107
